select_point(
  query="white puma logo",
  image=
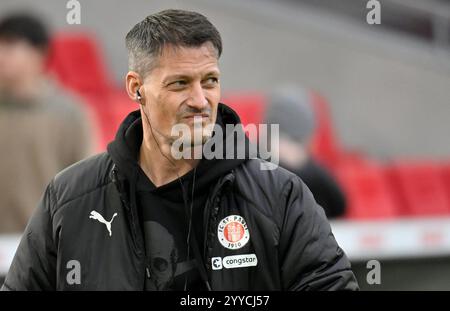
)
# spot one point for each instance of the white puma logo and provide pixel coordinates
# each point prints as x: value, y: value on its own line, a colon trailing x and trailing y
x: 95, y: 215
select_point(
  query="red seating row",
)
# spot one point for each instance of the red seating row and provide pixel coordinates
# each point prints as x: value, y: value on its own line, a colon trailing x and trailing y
x: 420, y: 188
x: 77, y: 63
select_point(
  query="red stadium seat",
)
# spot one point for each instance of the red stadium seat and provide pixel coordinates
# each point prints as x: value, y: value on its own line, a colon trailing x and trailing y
x: 109, y: 119
x: 419, y: 188
x: 249, y: 106
x: 77, y: 62
x: 121, y: 106
x: 368, y: 196
x: 445, y: 173
x: 324, y: 145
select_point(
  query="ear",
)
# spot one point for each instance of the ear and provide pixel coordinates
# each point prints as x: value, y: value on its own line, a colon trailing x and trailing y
x: 133, y: 83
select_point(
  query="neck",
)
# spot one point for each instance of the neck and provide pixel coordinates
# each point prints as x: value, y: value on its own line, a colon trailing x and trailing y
x: 162, y: 169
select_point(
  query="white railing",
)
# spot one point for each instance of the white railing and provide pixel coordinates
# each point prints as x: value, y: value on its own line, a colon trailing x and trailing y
x: 394, y: 239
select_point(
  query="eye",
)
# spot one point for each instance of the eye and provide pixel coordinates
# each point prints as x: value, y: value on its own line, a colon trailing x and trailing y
x: 211, y: 81
x: 178, y: 83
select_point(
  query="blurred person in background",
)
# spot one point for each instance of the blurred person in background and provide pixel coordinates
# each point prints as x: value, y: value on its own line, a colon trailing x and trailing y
x: 291, y: 108
x: 42, y: 129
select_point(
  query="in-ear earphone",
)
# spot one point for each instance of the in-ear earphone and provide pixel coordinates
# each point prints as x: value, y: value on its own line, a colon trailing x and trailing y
x: 138, y: 96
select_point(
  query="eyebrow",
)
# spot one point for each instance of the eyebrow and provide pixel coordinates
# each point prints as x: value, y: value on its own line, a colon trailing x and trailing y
x: 186, y: 77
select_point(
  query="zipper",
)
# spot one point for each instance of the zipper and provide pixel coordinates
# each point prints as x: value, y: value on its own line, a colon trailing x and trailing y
x: 132, y: 222
x: 212, y: 211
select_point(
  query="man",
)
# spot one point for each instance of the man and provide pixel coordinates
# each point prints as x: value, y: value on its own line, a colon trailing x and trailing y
x: 42, y: 129
x: 138, y: 218
x: 291, y: 108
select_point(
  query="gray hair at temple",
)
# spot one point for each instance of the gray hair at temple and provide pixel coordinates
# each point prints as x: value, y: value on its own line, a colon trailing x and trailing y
x: 292, y: 109
x: 176, y: 28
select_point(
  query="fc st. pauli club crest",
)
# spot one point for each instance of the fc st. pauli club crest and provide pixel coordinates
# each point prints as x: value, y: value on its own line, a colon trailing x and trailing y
x: 233, y: 232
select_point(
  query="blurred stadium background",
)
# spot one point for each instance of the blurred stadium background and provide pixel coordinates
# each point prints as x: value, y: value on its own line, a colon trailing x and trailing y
x: 381, y: 95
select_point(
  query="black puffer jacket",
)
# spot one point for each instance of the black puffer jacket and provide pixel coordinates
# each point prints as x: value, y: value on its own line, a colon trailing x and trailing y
x: 264, y: 231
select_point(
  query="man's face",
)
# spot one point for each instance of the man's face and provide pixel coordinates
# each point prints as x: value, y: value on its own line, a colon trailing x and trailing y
x: 183, y: 88
x: 18, y: 61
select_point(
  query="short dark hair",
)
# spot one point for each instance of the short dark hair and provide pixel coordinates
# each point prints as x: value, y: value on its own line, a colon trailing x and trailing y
x: 25, y: 27
x: 178, y: 28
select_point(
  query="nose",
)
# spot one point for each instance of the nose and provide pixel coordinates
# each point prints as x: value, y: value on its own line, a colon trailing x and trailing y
x: 197, y: 99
